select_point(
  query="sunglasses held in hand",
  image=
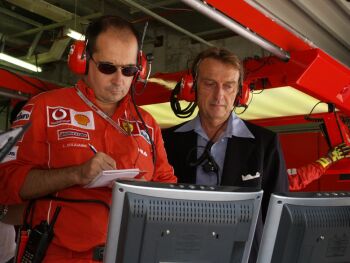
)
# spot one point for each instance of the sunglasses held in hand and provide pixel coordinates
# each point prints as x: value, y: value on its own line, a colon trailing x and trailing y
x: 109, y: 68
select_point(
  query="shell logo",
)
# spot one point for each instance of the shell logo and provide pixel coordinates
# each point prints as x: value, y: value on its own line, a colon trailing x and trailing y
x: 82, y: 119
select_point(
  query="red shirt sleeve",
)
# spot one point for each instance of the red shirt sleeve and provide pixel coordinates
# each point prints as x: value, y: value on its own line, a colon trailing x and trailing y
x: 30, y: 152
x: 299, y: 178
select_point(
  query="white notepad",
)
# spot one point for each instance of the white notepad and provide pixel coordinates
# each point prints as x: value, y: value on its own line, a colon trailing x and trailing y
x: 106, y: 178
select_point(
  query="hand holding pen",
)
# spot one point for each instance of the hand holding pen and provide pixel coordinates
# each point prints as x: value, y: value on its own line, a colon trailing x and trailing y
x: 142, y: 178
x: 94, y: 166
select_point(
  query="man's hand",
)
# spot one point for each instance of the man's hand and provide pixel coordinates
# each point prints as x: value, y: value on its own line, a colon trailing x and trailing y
x: 91, y: 168
x: 339, y: 152
x: 39, y: 183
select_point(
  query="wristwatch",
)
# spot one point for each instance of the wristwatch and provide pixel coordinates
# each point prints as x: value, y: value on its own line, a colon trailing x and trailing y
x: 3, y: 211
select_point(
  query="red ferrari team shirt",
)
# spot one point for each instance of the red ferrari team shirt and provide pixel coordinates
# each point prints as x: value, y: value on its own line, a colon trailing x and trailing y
x: 62, y: 127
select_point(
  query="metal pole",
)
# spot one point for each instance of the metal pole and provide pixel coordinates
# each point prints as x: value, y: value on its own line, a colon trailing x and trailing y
x: 236, y: 27
x: 166, y: 22
x: 55, y: 25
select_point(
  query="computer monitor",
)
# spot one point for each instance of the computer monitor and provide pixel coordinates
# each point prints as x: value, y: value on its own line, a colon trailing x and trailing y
x: 159, y: 222
x: 307, y: 228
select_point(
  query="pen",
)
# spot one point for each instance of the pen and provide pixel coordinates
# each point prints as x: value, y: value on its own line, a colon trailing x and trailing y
x: 92, y: 148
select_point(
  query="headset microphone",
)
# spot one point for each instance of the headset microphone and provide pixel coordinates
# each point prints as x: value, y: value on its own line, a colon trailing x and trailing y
x: 142, y: 60
x: 142, y: 64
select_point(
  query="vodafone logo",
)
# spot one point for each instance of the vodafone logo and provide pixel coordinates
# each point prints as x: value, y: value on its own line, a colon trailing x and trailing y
x: 59, y: 114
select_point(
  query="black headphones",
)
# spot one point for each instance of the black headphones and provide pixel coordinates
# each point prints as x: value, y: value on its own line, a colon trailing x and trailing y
x: 186, y: 89
x: 206, y: 160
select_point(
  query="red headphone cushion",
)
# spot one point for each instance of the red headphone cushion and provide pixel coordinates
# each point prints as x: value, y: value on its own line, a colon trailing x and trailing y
x: 142, y: 64
x: 77, y: 57
x: 187, y: 91
x: 243, y: 98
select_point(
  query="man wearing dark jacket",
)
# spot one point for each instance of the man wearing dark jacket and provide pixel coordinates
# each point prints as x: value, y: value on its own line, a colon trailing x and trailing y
x: 218, y: 148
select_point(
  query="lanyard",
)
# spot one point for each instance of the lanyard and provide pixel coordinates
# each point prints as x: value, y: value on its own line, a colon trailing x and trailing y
x: 100, y: 112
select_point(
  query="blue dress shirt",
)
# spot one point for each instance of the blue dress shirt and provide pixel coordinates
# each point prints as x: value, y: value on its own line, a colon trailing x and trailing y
x: 235, y: 127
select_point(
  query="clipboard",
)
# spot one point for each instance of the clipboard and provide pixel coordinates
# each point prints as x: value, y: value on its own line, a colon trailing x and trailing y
x: 107, y: 178
x: 8, y: 139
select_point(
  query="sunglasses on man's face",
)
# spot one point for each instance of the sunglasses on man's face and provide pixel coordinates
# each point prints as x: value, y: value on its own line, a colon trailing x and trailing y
x: 109, y: 68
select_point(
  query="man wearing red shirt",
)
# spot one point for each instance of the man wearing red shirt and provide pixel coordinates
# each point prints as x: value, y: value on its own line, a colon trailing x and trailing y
x: 55, y: 158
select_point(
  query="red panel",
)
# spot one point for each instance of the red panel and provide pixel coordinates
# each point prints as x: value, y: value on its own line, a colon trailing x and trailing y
x: 333, y: 182
x: 300, y: 149
x: 311, y: 71
x: 259, y: 23
x: 24, y: 84
x: 338, y: 131
x: 328, y: 80
x: 289, y: 120
x: 303, y: 148
x: 154, y: 92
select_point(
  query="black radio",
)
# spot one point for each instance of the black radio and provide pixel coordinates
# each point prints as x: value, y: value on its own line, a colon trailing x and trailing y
x: 39, y: 240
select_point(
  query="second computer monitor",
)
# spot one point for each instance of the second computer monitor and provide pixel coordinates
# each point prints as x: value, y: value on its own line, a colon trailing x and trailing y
x: 307, y: 228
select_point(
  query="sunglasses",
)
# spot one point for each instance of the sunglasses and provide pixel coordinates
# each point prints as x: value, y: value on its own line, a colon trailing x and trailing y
x: 109, y: 68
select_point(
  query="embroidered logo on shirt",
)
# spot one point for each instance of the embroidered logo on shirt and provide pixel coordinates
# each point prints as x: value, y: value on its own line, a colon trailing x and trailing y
x: 136, y: 128
x: 24, y: 114
x: 144, y: 153
x: 12, y: 155
x: 145, y: 136
x: 72, y: 133
x: 129, y: 126
x: 74, y: 145
x: 82, y: 119
x: 144, y: 133
x: 250, y: 177
x: 60, y: 115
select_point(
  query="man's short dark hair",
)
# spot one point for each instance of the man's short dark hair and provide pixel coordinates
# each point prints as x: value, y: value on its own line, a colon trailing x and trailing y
x: 101, y: 25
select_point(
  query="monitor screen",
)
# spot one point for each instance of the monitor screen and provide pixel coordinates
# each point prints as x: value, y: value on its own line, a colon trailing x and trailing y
x: 307, y: 228
x: 158, y: 222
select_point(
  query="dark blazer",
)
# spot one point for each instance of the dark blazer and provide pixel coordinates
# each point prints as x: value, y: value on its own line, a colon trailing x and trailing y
x: 243, y: 156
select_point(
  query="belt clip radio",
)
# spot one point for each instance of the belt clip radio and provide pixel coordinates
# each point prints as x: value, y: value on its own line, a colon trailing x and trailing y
x: 38, y: 241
